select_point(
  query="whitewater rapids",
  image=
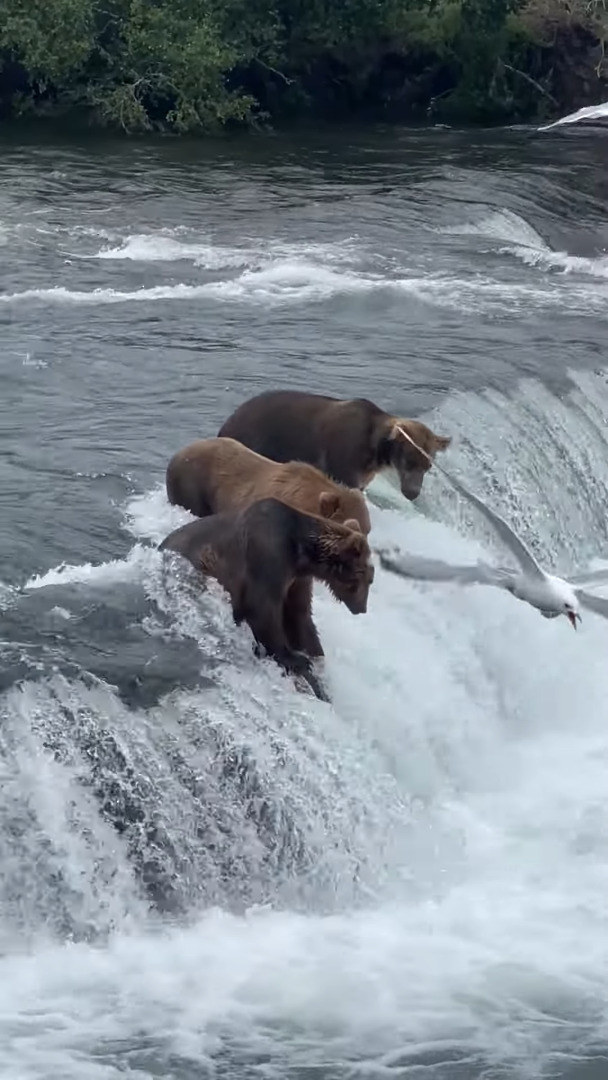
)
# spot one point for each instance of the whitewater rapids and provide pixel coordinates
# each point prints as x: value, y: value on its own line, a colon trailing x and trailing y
x: 205, y: 875
x: 454, y: 797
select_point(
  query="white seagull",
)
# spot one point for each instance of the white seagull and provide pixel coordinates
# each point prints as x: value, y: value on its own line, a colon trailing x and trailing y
x: 549, y: 594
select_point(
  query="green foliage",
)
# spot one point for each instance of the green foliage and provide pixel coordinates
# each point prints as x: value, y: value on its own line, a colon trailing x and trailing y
x: 166, y: 64
x: 139, y: 64
x: 52, y: 38
x: 198, y: 65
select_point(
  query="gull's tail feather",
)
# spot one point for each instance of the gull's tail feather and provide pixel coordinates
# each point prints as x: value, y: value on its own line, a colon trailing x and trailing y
x: 590, y: 577
x: 597, y: 604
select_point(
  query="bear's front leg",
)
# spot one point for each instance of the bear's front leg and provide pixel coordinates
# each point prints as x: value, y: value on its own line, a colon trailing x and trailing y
x: 266, y: 623
x: 265, y: 619
x: 300, y: 629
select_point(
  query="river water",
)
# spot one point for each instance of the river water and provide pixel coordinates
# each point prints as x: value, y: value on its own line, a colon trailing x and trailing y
x: 203, y: 873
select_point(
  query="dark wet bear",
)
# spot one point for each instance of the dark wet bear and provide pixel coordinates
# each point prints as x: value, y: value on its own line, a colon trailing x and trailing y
x: 351, y: 441
x: 213, y: 475
x: 267, y: 557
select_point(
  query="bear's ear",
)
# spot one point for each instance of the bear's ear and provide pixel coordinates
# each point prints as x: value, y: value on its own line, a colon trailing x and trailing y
x: 355, y: 546
x: 329, y: 504
x: 442, y: 441
x: 401, y: 431
x: 352, y: 523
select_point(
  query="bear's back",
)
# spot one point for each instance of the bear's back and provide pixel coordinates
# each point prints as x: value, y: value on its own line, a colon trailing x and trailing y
x: 335, y: 435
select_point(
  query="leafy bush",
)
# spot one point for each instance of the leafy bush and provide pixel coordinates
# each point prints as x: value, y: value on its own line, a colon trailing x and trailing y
x: 199, y: 65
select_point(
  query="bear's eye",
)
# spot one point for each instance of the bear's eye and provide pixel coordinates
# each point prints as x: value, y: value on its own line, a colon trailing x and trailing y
x: 344, y: 570
x: 349, y: 580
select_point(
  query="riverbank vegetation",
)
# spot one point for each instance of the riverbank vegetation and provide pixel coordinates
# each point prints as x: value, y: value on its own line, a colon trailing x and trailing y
x: 202, y: 65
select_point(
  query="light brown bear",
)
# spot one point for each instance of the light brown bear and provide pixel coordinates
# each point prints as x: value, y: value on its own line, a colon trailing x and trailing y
x: 351, y: 441
x: 215, y: 475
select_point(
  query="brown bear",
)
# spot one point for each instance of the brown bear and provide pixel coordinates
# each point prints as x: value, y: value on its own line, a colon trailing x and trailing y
x: 351, y: 441
x: 212, y: 475
x: 266, y: 557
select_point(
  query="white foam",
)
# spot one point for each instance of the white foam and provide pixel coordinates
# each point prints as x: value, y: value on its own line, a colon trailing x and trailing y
x: 164, y: 247
x: 61, y: 613
x: 60, y: 295
x: 7, y: 594
x: 546, y: 259
x: 460, y: 774
x: 284, y: 282
x: 155, y: 248
x: 529, y: 246
x: 500, y: 224
x: 294, y: 280
x: 273, y: 273
x: 298, y: 993
x: 134, y: 567
x: 151, y: 517
x: 490, y: 877
x: 483, y: 294
x: 297, y: 282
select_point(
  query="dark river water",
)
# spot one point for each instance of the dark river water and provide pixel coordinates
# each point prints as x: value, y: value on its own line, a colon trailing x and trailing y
x: 203, y: 873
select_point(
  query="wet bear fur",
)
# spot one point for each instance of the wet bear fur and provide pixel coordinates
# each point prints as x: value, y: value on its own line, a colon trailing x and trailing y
x: 351, y: 440
x: 267, y: 557
x: 213, y: 475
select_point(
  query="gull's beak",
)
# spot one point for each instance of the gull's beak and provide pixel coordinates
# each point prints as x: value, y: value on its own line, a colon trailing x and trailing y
x: 572, y: 616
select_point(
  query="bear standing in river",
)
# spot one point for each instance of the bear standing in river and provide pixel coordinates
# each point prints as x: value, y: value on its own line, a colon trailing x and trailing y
x: 266, y: 557
x: 351, y: 441
x: 213, y: 475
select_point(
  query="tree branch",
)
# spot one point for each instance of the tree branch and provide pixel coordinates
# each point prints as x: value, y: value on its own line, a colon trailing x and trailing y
x: 529, y: 79
x: 274, y: 71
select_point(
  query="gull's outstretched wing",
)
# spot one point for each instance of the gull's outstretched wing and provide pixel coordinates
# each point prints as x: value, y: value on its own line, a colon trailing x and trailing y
x: 591, y: 577
x: 422, y: 569
x: 524, y: 557
x: 598, y: 604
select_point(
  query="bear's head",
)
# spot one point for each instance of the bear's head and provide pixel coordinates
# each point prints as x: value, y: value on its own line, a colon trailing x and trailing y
x: 411, y: 465
x: 346, y: 566
x: 345, y: 504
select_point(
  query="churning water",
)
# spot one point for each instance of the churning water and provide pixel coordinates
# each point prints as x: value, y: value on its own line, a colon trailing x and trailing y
x: 202, y: 872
